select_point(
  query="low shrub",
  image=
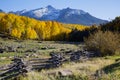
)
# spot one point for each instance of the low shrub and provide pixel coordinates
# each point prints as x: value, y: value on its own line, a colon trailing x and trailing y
x: 106, y: 43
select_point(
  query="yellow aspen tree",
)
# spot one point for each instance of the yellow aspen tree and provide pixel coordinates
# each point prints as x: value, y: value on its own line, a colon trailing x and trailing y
x: 16, y: 33
x: 31, y: 34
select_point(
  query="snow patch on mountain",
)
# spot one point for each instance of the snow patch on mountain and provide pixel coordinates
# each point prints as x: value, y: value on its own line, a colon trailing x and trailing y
x: 74, y: 12
x: 48, y: 12
x: 67, y: 15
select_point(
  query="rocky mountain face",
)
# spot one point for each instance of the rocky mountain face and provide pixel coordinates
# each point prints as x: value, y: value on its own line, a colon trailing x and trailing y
x: 1, y: 10
x: 67, y: 15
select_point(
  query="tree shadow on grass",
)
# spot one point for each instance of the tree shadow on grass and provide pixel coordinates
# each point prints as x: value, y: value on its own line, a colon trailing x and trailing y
x: 112, y: 68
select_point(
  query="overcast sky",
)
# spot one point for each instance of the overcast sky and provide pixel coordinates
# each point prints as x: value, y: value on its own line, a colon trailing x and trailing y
x: 104, y: 9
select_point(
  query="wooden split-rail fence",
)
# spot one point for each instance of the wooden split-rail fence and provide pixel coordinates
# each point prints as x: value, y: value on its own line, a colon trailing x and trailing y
x: 21, y: 67
x: 14, y: 69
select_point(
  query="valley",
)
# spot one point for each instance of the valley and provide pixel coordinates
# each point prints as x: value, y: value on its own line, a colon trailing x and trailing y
x: 59, y: 43
x: 82, y: 68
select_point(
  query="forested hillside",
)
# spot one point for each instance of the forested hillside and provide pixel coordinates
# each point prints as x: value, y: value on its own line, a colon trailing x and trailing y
x: 21, y: 27
x: 114, y: 25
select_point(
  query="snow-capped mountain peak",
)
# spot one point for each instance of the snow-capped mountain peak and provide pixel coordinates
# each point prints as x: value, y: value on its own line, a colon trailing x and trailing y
x: 48, y: 12
x: 50, y: 7
x: 76, y: 12
x: 70, y: 11
x: 67, y: 15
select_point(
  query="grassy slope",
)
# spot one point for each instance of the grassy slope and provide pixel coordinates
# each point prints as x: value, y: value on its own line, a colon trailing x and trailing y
x: 27, y: 45
x: 81, y: 70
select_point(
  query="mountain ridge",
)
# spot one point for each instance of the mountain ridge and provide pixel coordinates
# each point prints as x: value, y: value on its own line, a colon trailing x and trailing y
x: 66, y: 15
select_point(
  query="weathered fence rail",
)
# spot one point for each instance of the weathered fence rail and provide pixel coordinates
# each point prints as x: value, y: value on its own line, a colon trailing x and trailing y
x: 20, y: 67
x: 17, y: 67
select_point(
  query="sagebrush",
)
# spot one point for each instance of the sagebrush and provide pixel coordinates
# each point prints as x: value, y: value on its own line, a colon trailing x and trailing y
x: 106, y: 43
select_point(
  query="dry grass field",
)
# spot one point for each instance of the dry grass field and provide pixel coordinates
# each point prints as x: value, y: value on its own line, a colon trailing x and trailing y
x: 97, y: 68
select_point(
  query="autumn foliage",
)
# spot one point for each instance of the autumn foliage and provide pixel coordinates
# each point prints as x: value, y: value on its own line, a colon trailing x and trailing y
x: 22, y: 27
